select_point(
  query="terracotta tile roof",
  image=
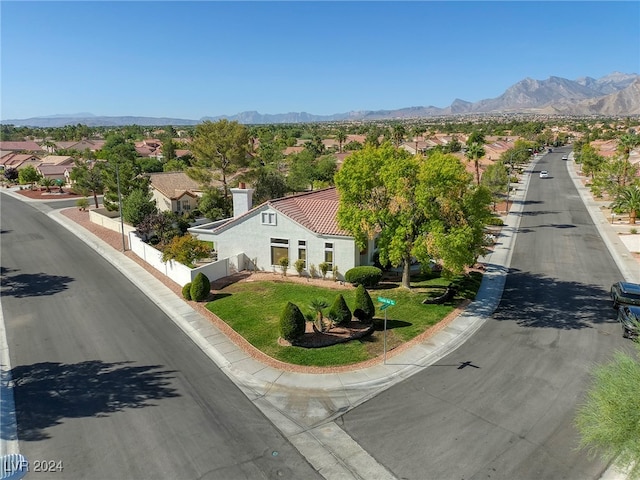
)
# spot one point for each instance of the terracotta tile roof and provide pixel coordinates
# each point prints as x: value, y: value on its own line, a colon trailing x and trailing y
x: 52, y: 171
x: 316, y: 210
x: 174, y: 185
x: 58, y: 160
x: 20, y: 146
x: 14, y: 160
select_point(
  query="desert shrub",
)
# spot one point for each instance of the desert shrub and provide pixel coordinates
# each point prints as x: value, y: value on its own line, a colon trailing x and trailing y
x: 284, y: 264
x: 186, y: 291
x: 366, y: 275
x: 324, y: 268
x: 364, y: 309
x: 313, y: 272
x: 82, y: 203
x: 292, y: 322
x: 496, y: 221
x: 299, y: 266
x: 200, y: 287
x: 339, y: 312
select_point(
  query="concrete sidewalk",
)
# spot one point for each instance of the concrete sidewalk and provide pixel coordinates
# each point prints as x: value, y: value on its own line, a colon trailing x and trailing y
x: 303, y: 406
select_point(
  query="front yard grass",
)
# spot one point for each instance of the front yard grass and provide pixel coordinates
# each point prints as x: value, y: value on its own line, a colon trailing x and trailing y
x: 253, y: 310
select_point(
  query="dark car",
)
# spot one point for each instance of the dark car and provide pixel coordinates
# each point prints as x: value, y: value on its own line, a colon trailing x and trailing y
x: 625, y: 293
x: 629, y: 318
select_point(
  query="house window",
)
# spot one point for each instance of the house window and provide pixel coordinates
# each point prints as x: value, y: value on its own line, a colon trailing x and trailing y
x: 302, y: 252
x: 186, y: 205
x: 268, y: 218
x: 328, y: 254
x: 279, y: 250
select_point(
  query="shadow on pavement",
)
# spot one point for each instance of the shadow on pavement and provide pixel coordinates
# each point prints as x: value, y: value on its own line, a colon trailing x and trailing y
x: 533, y: 300
x: 46, y: 393
x: 32, y: 285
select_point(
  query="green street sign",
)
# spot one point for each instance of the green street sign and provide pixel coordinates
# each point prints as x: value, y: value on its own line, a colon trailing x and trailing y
x: 384, y: 307
x: 386, y: 301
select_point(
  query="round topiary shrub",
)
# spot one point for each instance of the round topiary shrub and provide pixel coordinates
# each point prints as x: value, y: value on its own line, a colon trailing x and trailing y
x: 368, y: 276
x: 186, y: 291
x: 364, y: 309
x: 339, y: 311
x: 200, y: 287
x: 292, y: 322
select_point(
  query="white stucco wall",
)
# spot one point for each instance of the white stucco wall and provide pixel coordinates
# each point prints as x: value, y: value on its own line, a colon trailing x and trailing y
x: 250, y: 236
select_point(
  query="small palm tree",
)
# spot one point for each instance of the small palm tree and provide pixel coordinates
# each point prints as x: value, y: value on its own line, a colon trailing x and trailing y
x: 318, y: 305
x: 47, y: 183
x: 628, y: 200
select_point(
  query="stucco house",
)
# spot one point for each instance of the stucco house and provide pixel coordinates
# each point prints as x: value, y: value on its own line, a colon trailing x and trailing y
x: 302, y: 226
x: 174, y: 192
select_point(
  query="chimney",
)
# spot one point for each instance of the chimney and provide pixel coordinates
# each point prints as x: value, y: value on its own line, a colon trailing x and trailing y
x: 242, y: 199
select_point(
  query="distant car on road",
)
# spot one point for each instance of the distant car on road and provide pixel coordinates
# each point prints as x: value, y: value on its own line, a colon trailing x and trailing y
x: 544, y: 174
x: 550, y: 150
x: 565, y: 157
x: 629, y: 318
x: 625, y: 293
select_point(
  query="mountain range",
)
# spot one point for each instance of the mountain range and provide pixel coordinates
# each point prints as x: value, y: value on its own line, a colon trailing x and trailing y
x: 616, y: 94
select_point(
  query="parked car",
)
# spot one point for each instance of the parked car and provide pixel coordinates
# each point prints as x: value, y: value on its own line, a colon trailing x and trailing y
x: 550, y: 150
x: 625, y: 293
x: 629, y: 318
x: 544, y: 174
x: 565, y: 157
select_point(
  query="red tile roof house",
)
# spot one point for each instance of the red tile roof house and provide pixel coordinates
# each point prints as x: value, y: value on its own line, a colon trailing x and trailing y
x: 25, y: 146
x: 174, y: 191
x: 55, y: 172
x: 302, y: 226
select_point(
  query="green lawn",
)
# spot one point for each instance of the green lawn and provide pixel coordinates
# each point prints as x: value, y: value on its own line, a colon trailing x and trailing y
x: 253, y: 310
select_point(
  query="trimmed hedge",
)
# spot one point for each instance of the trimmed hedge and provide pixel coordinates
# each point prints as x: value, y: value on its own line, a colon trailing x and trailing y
x: 368, y: 276
x: 364, y: 309
x: 200, y: 287
x: 339, y: 311
x: 292, y: 322
x: 186, y: 291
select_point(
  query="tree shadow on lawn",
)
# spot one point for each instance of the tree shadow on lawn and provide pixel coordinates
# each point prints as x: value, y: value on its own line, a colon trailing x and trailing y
x: 378, y: 324
x: 46, y: 393
x: 217, y: 296
x: 533, y: 300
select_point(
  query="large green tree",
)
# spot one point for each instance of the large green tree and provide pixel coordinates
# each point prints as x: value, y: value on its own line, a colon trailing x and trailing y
x: 417, y: 207
x: 221, y: 146
x: 609, y: 420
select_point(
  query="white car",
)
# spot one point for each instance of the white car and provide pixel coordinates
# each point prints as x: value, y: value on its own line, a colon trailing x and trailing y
x: 544, y: 174
x: 565, y: 157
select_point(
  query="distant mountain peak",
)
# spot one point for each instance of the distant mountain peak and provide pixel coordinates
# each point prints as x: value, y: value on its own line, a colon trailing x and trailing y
x: 614, y: 94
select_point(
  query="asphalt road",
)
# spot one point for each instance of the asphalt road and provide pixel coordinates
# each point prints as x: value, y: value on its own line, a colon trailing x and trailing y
x: 502, y: 405
x: 106, y: 385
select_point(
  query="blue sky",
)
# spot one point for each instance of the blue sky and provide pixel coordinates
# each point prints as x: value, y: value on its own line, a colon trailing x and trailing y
x: 193, y: 59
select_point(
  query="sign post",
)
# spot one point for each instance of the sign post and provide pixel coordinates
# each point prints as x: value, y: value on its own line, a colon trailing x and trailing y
x: 386, y: 303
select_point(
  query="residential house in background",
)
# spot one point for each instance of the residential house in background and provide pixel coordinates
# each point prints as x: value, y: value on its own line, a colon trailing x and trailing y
x: 21, y: 147
x: 18, y: 160
x: 302, y: 226
x: 174, y: 192
x: 55, y: 172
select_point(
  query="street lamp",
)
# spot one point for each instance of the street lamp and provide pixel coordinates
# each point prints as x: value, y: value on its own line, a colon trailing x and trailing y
x: 124, y: 248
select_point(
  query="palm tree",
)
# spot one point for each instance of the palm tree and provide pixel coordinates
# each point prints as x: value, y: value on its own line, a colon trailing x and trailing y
x: 417, y: 131
x: 398, y: 133
x: 318, y: 305
x: 626, y: 143
x: 475, y: 152
x: 341, y: 136
x: 47, y: 183
x: 628, y: 200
